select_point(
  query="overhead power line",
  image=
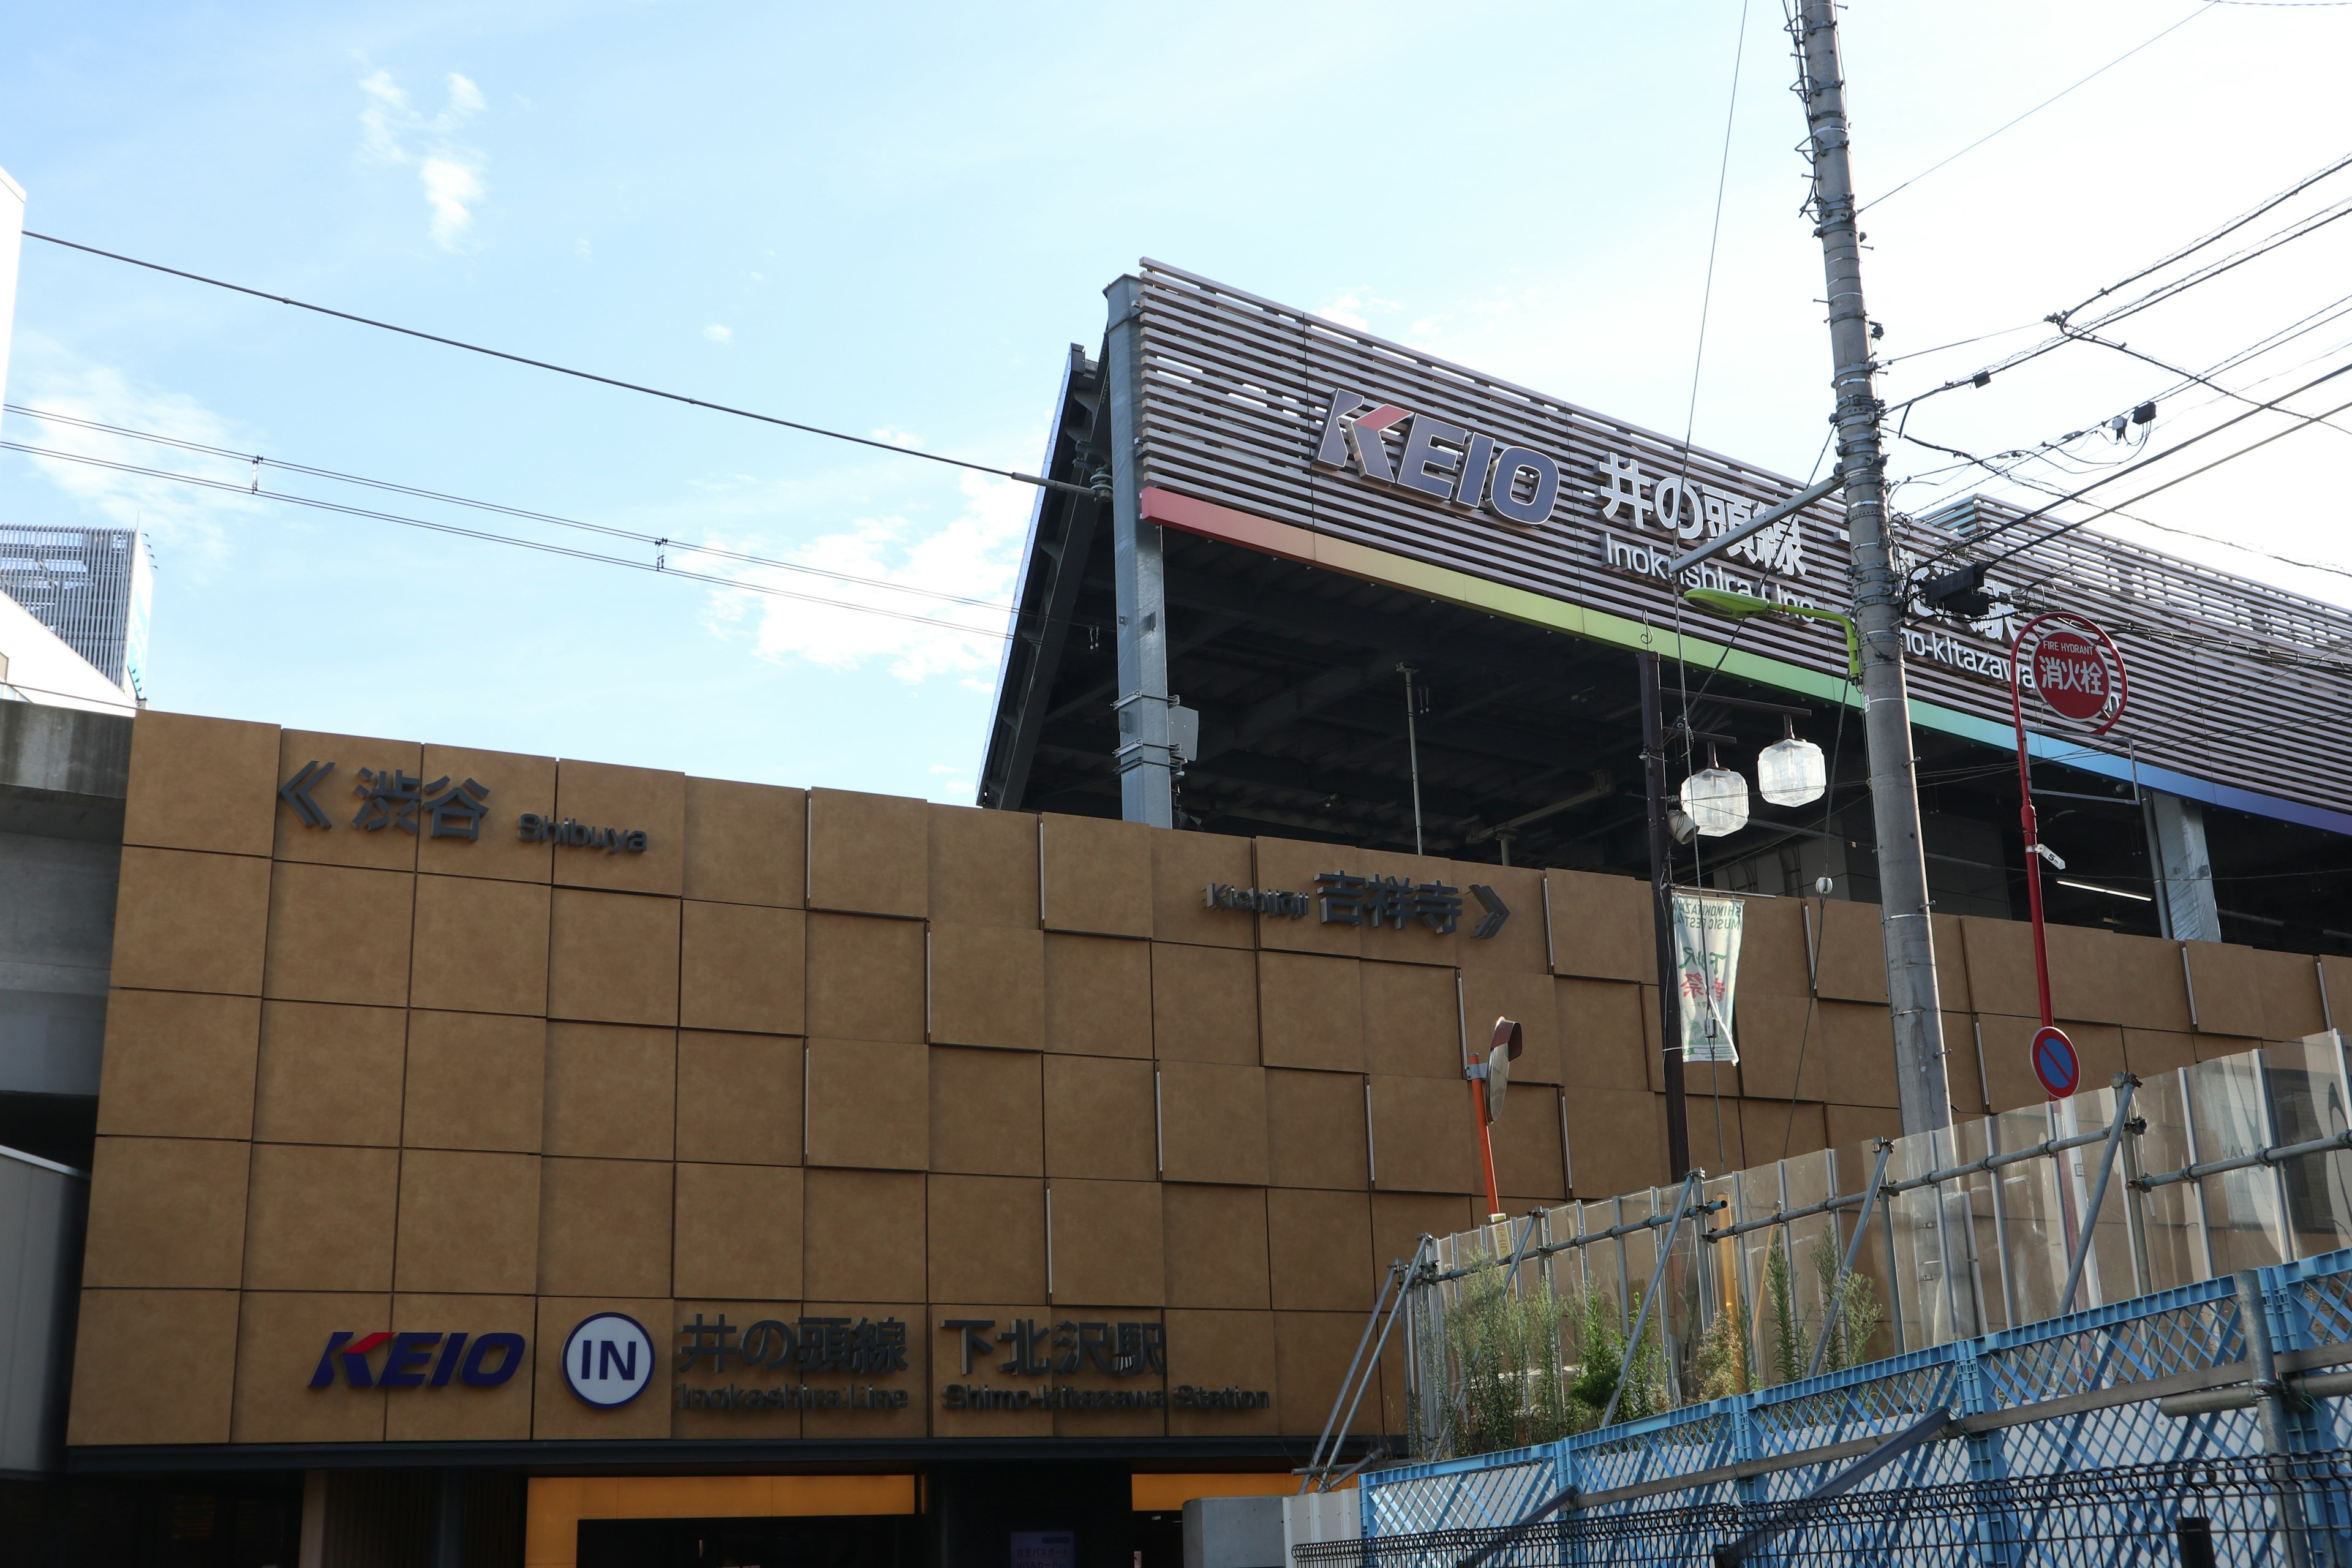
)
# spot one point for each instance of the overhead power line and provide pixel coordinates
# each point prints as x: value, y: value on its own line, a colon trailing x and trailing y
x: 1094, y: 493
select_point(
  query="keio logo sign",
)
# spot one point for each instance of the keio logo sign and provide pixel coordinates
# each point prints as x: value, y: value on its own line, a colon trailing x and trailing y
x: 1443, y: 461
x: 418, y: 1360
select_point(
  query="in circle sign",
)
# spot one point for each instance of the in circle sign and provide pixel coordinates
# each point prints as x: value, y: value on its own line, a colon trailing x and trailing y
x: 2055, y: 1061
x: 608, y: 1360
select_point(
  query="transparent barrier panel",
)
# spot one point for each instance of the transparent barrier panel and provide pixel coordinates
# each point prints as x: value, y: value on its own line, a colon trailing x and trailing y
x: 2229, y: 1115
x: 2172, y: 1217
x: 2307, y: 1102
x: 1978, y: 1210
x: 2109, y: 1270
x: 2036, y: 1222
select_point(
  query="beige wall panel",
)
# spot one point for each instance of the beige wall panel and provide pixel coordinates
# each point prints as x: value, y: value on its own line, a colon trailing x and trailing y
x: 1098, y: 1120
x: 1601, y: 927
x: 1218, y: 1349
x: 1768, y: 1127
x: 2083, y: 981
x: 1851, y: 1128
x: 603, y: 1224
x: 320, y: 1219
x: 1422, y: 1137
x: 476, y: 1081
x: 869, y: 1104
x: 987, y: 1113
x: 185, y: 921
x: 1781, y: 1053
x: 455, y: 1413
x: 1860, y: 1055
x: 1215, y: 1240
x: 1526, y: 998
x: 1527, y: 1140
x: 746, y: 842
x: 610, y: 1091
x: 613, y: 958
x: 648, y: 800
x: 1716, y: 1143
x: 1618, y: 1141
x: 1291, y: 865
x: 1413, y: 1020
x: 1601, y: 1040
x: 2009, y: 1061
x: 281, y: 1336
x: 1400, y: 1219
x: 1520, y: 946
x: 2000, y: 965
x: 178, y: 1064
x: 559, y: 1414
x: 384, y: 848
x: 1961, y: 1079
x: 1097, y: 995
x: 1184, y: 866
x: 865, y: 978
x: 1951, y: 963
x: 516, y: 784
x: 118, y: 1398
x: 738, y: 1231
x: 1092, y: 1376
x: 2335, y: 989
x: 1310, y: 1012
x: 987, y: 1239
x: 843, y: 1422
x: 1320, y: 1248
x: 1097, y: 875
x: 742, y: 1374
x: 988, y: 986
x: 1204, y: 1003
x: 1315, y: 1127
x: 949, y: 1350
x: 1707, y: 1080
x: 1775, y: 953
x: 983, y: 866
x: 481, y: 946
x: 469, y: 1222
x: 2228, y: 988
x: 868, y: 854
x: 329, y: 1074
x: 738, y: 1098
x: 2155, y: 991
x: 339, y: 935
x: 1213, y: 1123
x: 204, y: 784
x: 2151, y: 1052
x: 1108, y: 1244
x: 2290, y: 989
x: 742, y: 967
x: 1852, y: 949
x: 1311, y: 1351
x: 2100, y: 1049
x: 1420, y: 943
x: 862, y: 1234
x: 2208, y: 1047
x: 166, y: 1213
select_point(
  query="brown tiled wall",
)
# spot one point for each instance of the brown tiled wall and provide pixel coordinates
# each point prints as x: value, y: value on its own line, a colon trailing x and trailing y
x: 833, y: 1052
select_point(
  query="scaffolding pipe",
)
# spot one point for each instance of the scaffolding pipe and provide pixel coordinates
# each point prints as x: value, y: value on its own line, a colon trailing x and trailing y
x: 2125, y: 1084
x: 1853, y: 1251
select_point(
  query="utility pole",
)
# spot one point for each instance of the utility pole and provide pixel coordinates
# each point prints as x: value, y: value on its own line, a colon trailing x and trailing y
x: 1662, y: 918
x: 1878, y: 595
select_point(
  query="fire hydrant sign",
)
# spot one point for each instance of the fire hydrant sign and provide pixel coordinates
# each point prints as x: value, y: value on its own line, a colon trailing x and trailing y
x: 1706, y: 957
x: 2055, y: 1061
x: 2070, y: 672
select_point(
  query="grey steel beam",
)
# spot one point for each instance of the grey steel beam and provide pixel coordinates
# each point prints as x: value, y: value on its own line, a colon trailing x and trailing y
x: 1753, y: 526
x: 1144, y: 761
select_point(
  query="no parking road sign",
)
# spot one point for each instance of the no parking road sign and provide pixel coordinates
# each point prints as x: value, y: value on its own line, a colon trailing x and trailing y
x: 2055, y: 1061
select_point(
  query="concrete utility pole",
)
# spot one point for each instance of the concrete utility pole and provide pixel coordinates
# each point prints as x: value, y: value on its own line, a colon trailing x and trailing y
x: 1878, y: 596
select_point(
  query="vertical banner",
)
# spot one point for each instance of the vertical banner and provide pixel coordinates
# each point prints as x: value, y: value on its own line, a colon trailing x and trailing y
x: 1706, y: 957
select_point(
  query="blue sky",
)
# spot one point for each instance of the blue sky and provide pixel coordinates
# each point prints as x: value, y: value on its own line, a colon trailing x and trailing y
x: 893, y: 220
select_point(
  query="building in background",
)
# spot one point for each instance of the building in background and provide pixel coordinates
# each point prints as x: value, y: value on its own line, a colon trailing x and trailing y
x: 91, y: 586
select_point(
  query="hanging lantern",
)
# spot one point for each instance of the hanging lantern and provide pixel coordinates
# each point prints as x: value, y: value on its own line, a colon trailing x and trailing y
x: 1791, y: 772
x: 1717, y: 799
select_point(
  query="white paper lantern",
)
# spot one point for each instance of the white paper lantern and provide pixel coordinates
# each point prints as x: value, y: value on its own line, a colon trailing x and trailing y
x: 1791, y: 772
x: 1715, y: 799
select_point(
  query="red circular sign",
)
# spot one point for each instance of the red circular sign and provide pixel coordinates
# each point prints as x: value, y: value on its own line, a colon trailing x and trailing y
x: 2055, y: 1063
x: 2072, y: 674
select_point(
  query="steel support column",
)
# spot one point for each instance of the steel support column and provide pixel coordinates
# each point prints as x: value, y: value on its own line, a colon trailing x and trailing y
x: 1145, y: 763
x: 2184, y: 870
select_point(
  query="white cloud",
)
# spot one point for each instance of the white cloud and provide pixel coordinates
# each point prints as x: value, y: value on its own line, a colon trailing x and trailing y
x: 1348, y: 309
x: 450, y: 170
x: 583, y: 249
x: 194, y: 520
x: 897, y: 438
x: 976, y: 555
x: 719, y: 335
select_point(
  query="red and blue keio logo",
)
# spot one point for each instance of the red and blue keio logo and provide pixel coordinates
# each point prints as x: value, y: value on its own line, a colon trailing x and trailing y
x: 414, y: 1359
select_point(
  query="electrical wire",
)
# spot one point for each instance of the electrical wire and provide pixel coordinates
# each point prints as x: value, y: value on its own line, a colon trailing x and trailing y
x: 661, y: 542
x: 1090, y: 491
x: 494, y: 538
x: 2032, y: 112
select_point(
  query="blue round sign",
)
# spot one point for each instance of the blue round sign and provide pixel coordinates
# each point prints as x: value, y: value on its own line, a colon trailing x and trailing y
x: 2055, y: 1061
x: 608, y: 1360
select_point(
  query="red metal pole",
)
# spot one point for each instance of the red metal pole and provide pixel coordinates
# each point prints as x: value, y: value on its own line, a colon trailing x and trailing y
x: 2025, y: 819
x: 1486, y: 1143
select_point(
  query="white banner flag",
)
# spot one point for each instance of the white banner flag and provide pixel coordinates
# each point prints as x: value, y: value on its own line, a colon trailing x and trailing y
x: 1706, y: 956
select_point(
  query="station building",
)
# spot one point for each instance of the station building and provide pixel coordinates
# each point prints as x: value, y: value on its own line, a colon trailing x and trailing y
x: 510, y: 1160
